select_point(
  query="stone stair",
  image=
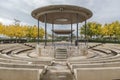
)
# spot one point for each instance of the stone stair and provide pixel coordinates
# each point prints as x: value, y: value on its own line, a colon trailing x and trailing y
x: 58, y: 71
x: 60, y: 53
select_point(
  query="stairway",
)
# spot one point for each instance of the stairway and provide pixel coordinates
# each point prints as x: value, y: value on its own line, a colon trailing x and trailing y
x: 58, y: 71
x: 61, y: 53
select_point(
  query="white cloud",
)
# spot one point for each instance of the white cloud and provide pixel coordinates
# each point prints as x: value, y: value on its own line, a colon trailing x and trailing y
x: 6, y: 21
x: 103, y: 10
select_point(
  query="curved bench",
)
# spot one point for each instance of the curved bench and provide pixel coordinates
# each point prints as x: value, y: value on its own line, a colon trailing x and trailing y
x: 117, y: 56
x: 33, y: 45
x: 108, y: 73
x: 94, y: 65
x: 23, y: 54
x: 95, y: 59
x: 19, y: 65
x: 46, y: 61
x: 13, y: 61
x: 20, y: 74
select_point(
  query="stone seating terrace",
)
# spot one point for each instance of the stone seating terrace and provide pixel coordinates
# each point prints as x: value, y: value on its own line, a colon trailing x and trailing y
x: 99, y: 58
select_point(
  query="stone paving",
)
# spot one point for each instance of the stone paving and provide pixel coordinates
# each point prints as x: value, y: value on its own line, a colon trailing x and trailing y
x: 58, y: 71
x: 62, y: 65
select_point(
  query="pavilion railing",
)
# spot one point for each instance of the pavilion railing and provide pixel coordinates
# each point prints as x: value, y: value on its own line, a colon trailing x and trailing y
x: 72, y: 51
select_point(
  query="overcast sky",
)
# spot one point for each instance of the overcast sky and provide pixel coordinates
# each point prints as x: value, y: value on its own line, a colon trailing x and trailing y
x: 104, y: 11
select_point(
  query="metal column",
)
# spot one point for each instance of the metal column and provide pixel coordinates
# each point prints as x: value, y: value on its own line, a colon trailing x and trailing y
x: 71, y: 33
x: 38, y: 32
x: 85, y: 32
x: 45, y: 20
x: 52, y: 34
x: 77, y: 30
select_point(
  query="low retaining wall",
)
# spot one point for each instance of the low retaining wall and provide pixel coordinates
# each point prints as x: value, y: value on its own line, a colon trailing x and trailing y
x: 19, y: 74
x: 109, y: 73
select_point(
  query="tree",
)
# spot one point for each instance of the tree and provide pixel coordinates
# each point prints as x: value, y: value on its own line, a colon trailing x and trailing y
x: 93, y: 29
x: 21, y: 31
x: 116, y: 28
x: 32, y: 32
x: 42, y: 33
x: 10, y: 31
x: 111, y: 30
x: 1, y: 28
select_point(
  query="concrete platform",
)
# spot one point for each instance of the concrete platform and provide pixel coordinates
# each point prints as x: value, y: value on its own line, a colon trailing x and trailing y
x: 109, y: 73
x: 19, y: 74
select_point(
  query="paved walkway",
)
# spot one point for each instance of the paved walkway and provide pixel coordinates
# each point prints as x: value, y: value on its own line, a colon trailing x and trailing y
x: 58, y: 71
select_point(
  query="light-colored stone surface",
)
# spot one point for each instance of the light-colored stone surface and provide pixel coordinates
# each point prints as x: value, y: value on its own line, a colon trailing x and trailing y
x: 95, y: 65
x: 58, y: 71
x: 110, y: 73
x: 12, y: 61
x: 38, y: 50
x: 17, y: 65
x: 19, y: 74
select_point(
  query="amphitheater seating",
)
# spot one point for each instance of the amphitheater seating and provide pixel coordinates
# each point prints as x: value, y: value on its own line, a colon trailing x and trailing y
x: 9, y: 55
x: 20, y: 74
x: 23, y: 54
x: 19, y: 65
x: 46, y: 61
x: 99, y: 62
x: 13, y: 61
x: 15, y: 64
x: 33, y: 45
x: 94, y: 65
x: 109, y: 73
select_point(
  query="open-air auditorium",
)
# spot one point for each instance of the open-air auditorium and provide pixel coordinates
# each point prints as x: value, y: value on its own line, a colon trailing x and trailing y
x: 65, y: 60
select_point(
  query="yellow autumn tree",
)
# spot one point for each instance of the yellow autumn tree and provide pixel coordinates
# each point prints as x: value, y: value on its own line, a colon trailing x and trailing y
x: 21, y: 31
x: 32, y: 32
x: 42, y: 33
x: 10, y: 31
x: 1, y: 28
x: 92, y: 29
x: 108, y: 30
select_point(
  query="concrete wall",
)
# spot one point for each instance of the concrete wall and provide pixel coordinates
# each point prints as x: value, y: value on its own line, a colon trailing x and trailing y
x: 12, y: 61
x: 94, y: 61
x: 114, y: 64
x: 111, y: 73
x: 35, y: 66
x: 19, y: 74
